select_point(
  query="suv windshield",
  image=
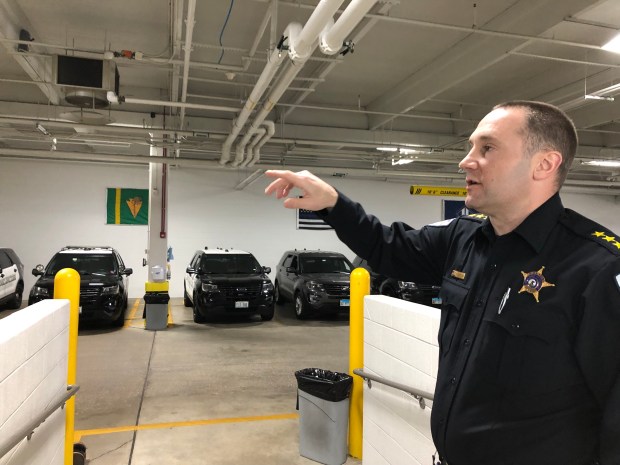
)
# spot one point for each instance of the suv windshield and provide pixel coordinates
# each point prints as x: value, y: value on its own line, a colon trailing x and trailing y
x: 324, y: 265
x: 230, y: 264
x: 99, y: 264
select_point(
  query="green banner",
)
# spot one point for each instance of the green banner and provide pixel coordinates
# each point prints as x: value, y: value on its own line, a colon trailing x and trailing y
x: 128, y: 206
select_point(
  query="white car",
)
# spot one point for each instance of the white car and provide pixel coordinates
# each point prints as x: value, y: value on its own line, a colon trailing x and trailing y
x: 11, y: 279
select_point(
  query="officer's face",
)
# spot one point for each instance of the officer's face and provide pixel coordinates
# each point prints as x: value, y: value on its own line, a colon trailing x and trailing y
x: 498, y: 171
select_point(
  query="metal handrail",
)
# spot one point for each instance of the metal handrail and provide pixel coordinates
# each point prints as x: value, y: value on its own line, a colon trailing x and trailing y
x: 418, y: 394
x: 28, y: 430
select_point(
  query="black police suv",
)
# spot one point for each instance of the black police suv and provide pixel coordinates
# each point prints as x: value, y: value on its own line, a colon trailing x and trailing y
x: 103, y: 282
x: 406, y: 290
x: 11, y: 278
x: 316, y: 281
x: 227, y: 282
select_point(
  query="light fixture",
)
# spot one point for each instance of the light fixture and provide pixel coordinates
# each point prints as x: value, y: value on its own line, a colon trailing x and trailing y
x: 41, y: 129
x: 401, y: 161
x: 387, y: 149
x: 604, y: 163
x: 613, y: 45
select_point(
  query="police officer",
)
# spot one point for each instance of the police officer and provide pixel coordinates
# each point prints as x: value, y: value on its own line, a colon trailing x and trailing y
x: 529, y: 338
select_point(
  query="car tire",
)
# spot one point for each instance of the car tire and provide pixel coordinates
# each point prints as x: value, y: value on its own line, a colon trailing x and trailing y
x: 277, y: 296
x: 267, y: 315
x: 301, y: 308
x: 120, y: 321
x: 198, y: 318
x: 186, y: 300
x: 16, y: 301
x: 388, y: 290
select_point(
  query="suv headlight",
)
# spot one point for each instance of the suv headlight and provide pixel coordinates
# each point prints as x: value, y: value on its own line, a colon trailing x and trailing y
x: 267, y: 286
x: 408, y: 285
x: 40, y: 291
x: 209, y: 287
x: 315, y: 286
x: 107, y: 290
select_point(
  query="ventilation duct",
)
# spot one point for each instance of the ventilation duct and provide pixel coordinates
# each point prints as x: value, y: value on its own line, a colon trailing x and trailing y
x: 85, y: 81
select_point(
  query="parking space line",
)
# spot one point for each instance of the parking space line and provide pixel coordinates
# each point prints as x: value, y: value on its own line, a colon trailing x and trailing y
x: 132, y: 313
x: 179, y: 424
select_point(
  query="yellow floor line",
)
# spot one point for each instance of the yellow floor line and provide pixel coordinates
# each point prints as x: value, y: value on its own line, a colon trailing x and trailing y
x: 78, y: 434
x: 170, y: 322
x: 132, y: 313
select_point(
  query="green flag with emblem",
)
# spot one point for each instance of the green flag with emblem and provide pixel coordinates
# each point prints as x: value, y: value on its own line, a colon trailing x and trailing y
x: 127, y: 206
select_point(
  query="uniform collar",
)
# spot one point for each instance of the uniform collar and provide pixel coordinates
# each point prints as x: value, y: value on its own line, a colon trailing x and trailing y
x: 537, y: 226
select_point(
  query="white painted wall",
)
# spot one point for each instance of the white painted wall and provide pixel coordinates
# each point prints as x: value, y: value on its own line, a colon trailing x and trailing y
x: 47, y: 205
x: 400, y: 345
x: 33, y: 377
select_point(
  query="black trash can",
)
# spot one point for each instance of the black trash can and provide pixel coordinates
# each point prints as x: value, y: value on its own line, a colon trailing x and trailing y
x: 156, y: 309
x: 323, y: 404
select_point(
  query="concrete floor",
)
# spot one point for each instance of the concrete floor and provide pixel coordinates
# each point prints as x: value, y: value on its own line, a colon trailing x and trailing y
x: 220, y: 393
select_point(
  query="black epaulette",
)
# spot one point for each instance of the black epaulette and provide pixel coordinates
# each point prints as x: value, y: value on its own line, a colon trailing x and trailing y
x: 592, y: 231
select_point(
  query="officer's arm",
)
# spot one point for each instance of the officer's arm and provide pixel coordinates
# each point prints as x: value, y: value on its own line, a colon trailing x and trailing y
x: 598, y: 353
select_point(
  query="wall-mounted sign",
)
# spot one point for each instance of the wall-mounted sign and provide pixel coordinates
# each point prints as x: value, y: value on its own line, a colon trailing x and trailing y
x: 439, y: 191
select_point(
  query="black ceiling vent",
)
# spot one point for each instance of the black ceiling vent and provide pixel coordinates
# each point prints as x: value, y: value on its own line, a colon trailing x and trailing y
x: 85, y: 81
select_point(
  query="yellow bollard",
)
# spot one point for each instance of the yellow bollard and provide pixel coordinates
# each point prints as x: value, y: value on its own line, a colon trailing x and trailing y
x: 67, y: 286
x: 360, y: 287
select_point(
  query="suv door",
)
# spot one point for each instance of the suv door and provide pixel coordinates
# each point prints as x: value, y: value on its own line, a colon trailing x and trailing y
x: 190, y: 278
x: 8, y: 276
x: 288, y: 278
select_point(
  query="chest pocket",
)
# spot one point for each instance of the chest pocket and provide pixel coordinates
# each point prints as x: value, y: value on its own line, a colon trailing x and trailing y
x: 527, y: 351
x: 453, y: 296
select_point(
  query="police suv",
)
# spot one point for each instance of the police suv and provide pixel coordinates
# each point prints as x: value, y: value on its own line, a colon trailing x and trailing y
x: 11, y: 279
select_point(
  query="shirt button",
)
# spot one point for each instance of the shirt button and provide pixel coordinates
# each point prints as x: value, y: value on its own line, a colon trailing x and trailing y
x: 453, y: 381
x: 515, y: 326
x: 494, y: 266
x: 479, y: 303
x: 466, y: 342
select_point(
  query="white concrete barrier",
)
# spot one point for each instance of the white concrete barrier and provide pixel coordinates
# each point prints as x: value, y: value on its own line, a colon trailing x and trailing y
x: 400, y: 344
x: 33, y: 375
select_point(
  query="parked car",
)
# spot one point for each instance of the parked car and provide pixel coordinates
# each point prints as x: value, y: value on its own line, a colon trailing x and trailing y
x: 406, y: 290
x: 316, y: 281
x: 103, y: 281
x: 11, y: 278
x: 227, y: 281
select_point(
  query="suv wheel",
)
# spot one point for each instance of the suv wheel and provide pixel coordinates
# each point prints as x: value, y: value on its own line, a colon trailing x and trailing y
x: 388, y: 290
x: 267, y: 315
x: 186, y: 301
x: 198, y: 318
x: 277, y: 297
x: 16, y: 301
x: 301, y: 310
x: 120, y: 321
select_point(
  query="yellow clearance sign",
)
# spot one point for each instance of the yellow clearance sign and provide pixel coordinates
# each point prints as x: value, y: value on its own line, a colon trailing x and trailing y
x: 438, y: 190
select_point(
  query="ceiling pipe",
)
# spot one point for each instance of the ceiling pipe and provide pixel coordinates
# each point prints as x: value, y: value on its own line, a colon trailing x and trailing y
x: 300, y: 47
x: 303, y: 46
x: 259, y: 89
x: 332, y: 38
x: 260, y: 132
x: 113, y: 98
x: 189, y: 32
x: 271, y: 130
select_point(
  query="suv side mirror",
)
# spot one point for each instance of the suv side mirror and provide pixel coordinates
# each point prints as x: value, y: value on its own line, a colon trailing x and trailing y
x: 38, y: 270
x: 128, y: 271
x: 266, y: 269
x: 291, y: 269
x: 190, y: 270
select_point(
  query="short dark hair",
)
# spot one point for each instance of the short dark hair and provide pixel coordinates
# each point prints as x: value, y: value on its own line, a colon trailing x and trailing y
x: 548, y: 128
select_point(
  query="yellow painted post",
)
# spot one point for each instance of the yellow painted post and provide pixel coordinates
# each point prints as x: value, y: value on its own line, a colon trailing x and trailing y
x: 360, y: 287
x: 67, y: 286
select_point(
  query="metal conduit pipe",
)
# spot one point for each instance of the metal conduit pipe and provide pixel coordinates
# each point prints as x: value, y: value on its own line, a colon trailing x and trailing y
x: 113, y: 98
x: 189, y: 32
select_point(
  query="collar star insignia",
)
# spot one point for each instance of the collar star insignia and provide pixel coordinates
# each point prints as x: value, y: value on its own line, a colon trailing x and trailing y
x: 533, y: 282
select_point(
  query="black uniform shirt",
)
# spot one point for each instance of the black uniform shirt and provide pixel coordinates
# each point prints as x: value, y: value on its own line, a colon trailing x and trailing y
x: 529, y: 339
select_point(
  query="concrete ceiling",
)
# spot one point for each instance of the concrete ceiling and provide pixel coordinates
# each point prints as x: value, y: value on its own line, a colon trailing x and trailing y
x: 420, y: 76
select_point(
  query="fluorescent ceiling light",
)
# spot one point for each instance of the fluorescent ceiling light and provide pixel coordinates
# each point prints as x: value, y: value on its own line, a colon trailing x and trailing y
x: 387, y: 149
x: 401, y: 161
x: 605, y: 163
x: 613, y: 45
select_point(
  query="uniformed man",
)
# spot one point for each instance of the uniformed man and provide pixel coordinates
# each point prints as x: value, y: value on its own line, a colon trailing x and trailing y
x: 529, y: 339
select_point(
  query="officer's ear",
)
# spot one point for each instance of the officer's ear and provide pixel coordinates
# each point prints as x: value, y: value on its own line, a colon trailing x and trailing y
x: 546, y: 164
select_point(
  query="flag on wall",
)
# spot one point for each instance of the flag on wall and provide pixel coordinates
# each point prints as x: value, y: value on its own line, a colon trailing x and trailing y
x: 127, y: 206
x: 307, y: 219
x: 454, y: 208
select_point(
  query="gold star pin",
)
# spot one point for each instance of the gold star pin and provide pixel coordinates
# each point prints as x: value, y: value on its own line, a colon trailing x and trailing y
x: 533, y: 282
